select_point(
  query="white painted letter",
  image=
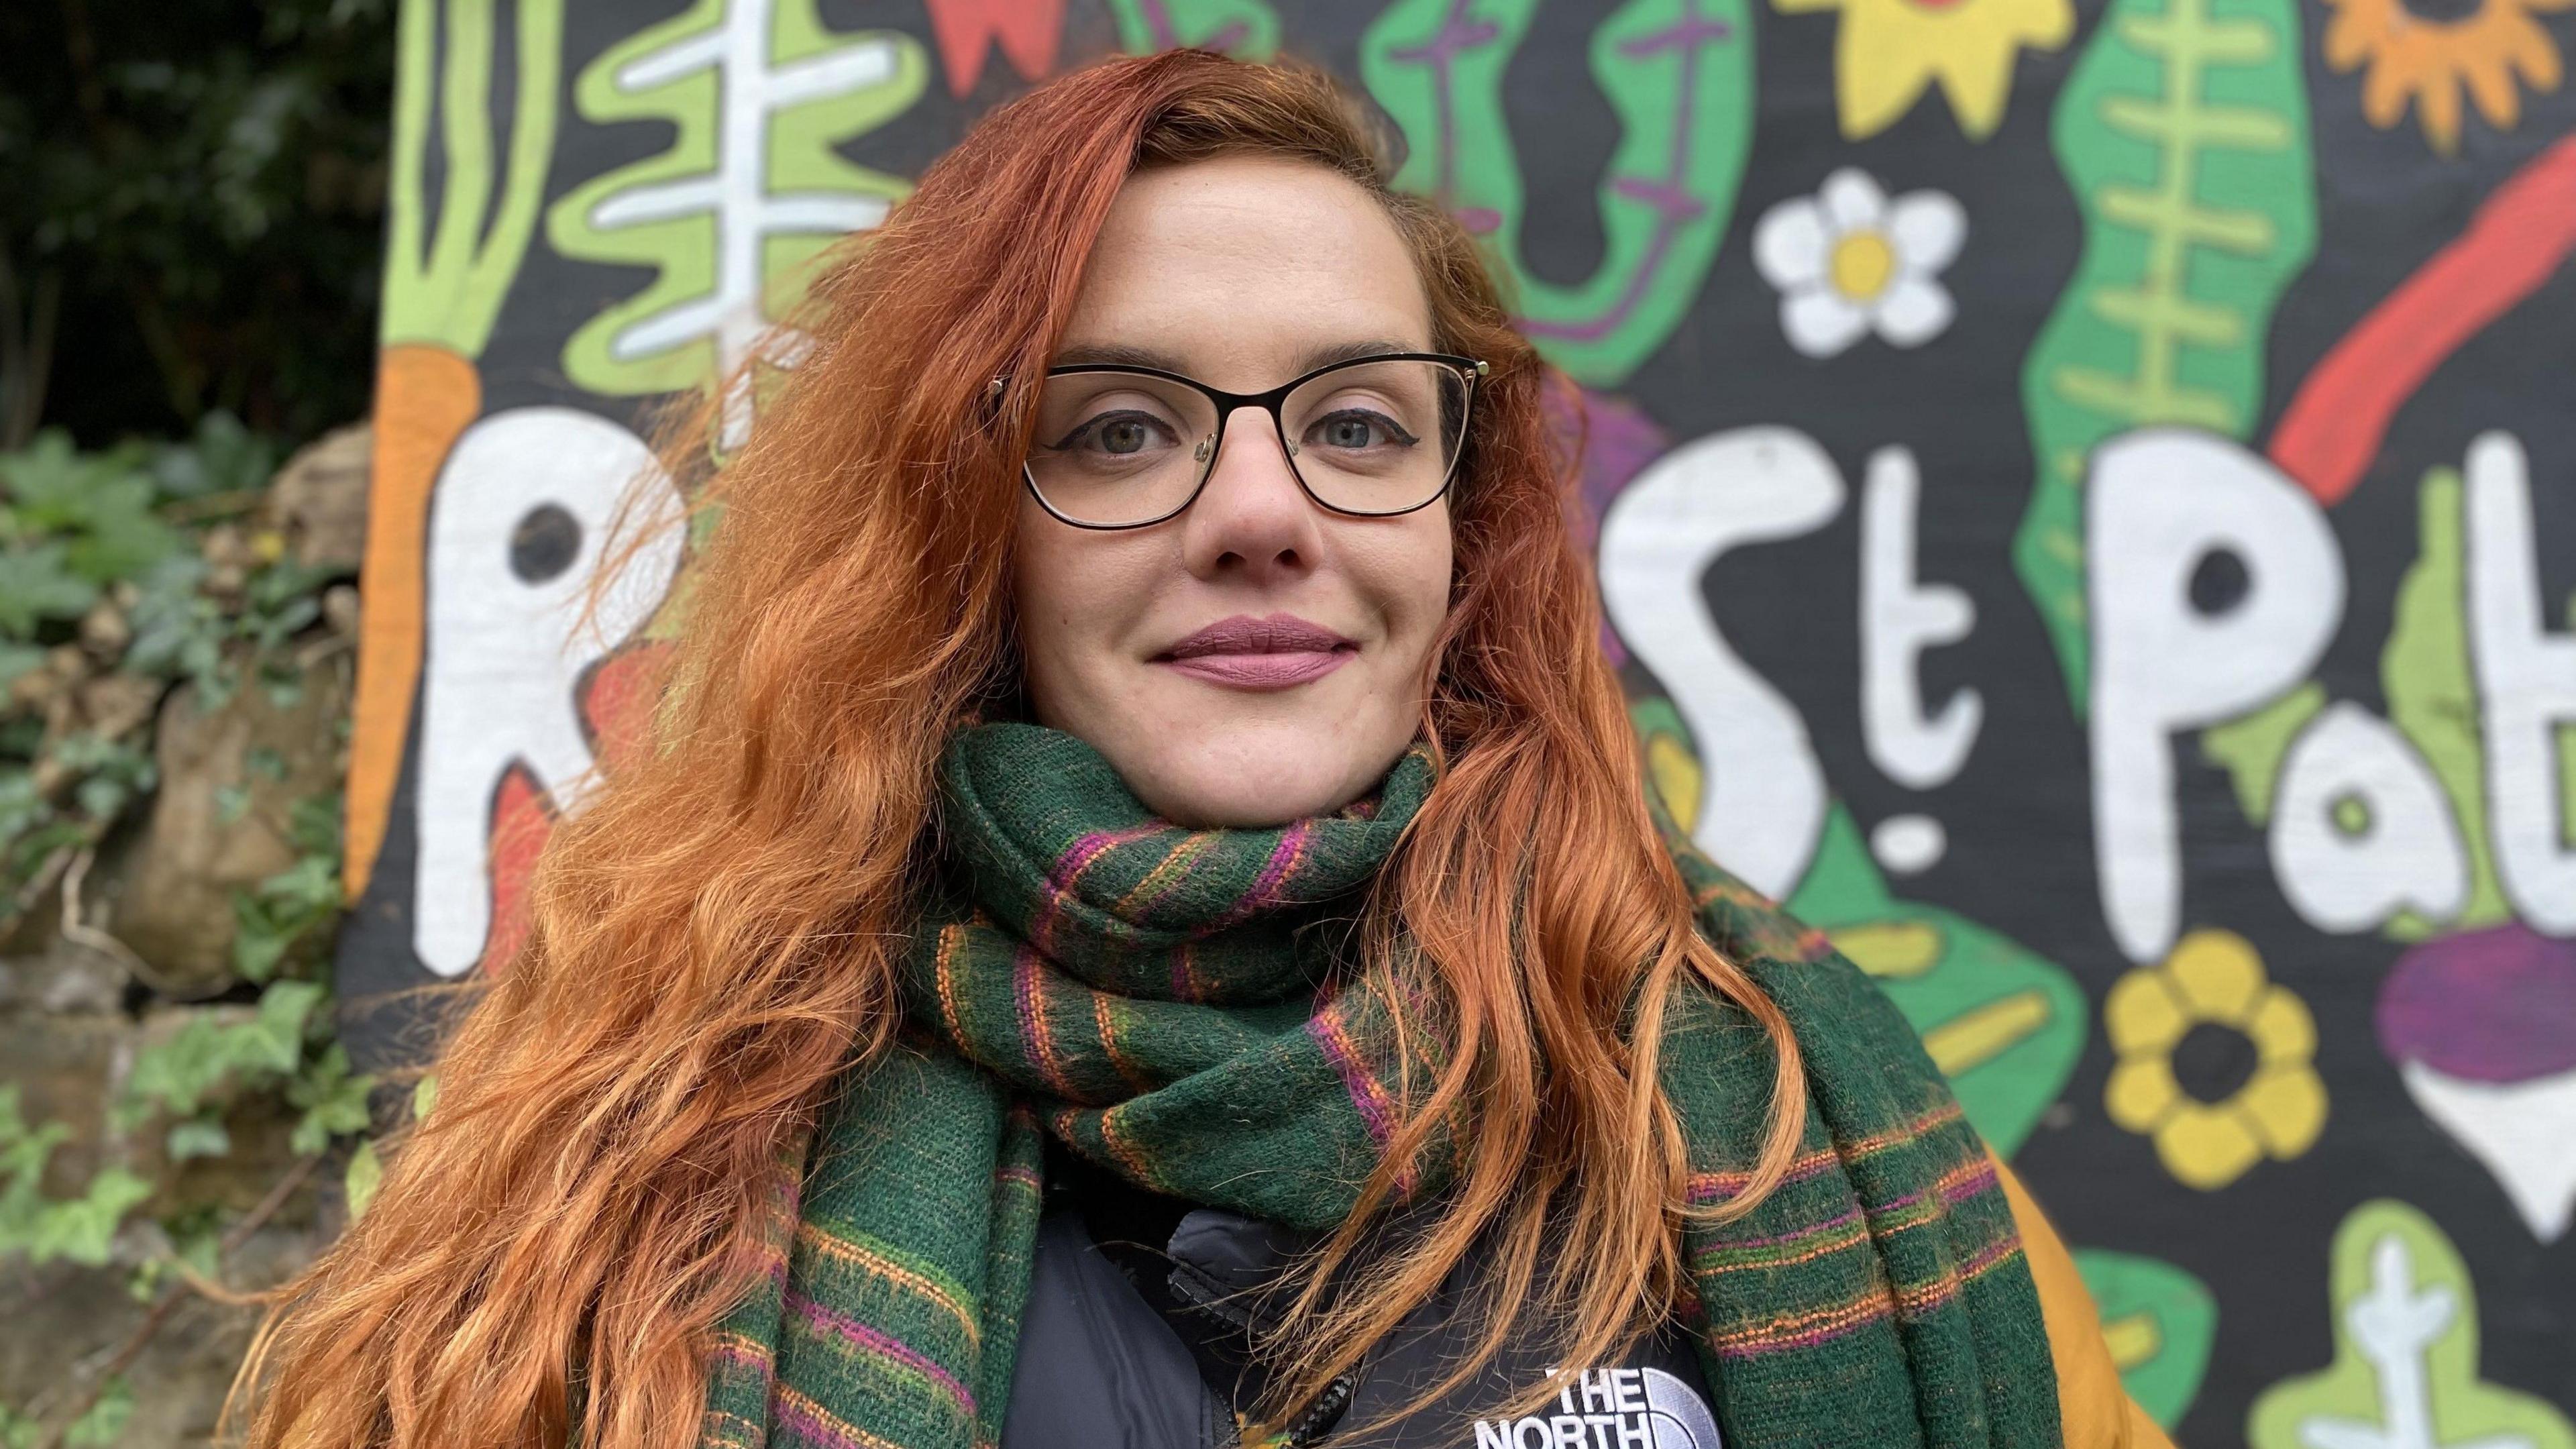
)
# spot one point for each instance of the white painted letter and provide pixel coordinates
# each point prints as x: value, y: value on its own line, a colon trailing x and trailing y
x: 2526, y: 689
x: 2409, y: 856
x: 1899, y: 619
x: 2158, y: 502
x: 516, y: 528
x: 1762, y: 797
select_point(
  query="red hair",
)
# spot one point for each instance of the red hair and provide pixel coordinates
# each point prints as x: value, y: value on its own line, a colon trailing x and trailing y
x: 712, y: 937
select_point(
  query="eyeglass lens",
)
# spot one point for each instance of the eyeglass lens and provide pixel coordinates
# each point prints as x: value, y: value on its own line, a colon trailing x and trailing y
x: 1120, y: 447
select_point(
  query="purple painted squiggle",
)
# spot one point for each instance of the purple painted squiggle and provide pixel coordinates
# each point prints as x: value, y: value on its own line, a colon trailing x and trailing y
x: 1674, y: 207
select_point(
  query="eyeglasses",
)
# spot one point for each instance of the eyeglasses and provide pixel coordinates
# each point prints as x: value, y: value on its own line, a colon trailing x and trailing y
x: 1124, y: 447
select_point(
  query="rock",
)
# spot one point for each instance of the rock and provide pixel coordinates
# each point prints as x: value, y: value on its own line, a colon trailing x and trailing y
x: 109, y: 706
x: 65, y: 1067
x: 112, y: 705
x: 105, y: 633
x: 319, y: 500
x: 340, y: 610
x: 36, y: 690
x: 63, y: 979
x: 169, y: 888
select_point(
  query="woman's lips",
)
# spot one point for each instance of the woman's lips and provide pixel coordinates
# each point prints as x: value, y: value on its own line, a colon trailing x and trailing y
x: 1269, y: 670
x: 1244, y: 652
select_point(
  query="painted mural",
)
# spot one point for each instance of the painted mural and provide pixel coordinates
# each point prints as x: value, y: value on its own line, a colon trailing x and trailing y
x: 2084, y: 494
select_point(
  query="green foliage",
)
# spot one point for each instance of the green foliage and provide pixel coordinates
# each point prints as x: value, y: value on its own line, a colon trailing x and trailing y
x: 102, y: 1425
x: 117, y: 578
x: 202, y: 188
x: 99, y: 504
x: 2183, y: 131
x: 77, y: 1228
x: 211, y: 1053
x: 288, y: 908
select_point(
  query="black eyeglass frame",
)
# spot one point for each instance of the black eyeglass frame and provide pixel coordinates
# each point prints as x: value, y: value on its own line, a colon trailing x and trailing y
x: 1469, y: 369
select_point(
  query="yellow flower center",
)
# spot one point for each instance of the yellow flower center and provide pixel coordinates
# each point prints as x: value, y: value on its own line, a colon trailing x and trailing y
x: 1863, y: 261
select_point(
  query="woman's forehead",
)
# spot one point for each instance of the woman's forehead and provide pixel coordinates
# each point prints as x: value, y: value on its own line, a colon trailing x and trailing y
x: 1255, y: 267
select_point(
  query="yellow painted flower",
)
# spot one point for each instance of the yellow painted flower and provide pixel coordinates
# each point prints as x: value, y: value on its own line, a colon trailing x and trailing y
x: 2430, y: 61
x: 1887, y: 51
x: 2251, y: 1049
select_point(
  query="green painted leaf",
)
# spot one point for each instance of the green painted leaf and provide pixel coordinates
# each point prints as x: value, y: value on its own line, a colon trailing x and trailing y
x: 2005, y: 1024
x: 1680, y: 75
x: 2250, y: 747
x: 2405, y: 1369
x: 2184, y: 133
x: 1244, y: 29
x: 665, y: 338
x: 2160, y: 1323
x: 449, y: 259
x: 2424, y: 672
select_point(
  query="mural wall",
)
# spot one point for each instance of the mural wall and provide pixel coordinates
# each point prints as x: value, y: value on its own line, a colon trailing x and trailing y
x: 2085, y: 497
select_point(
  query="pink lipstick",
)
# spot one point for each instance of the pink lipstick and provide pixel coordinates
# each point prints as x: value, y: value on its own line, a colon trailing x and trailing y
x: 1269, y: 653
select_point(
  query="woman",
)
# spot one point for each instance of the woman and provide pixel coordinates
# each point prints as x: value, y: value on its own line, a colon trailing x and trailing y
x: 1142, y: 925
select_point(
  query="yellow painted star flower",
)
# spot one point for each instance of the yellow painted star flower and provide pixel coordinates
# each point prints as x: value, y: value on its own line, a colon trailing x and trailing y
x: 2214, y: 984
x: 2431, y: 60
x: 1887, y: 51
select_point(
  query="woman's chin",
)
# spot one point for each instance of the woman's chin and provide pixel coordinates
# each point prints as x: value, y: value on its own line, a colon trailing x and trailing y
x: 1260, y: 777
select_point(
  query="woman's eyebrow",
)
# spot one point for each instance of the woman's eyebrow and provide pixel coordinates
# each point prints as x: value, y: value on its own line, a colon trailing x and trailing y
x: 1119, y: 354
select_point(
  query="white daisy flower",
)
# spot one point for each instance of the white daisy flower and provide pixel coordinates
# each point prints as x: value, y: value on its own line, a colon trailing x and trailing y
x: 1848, y: 260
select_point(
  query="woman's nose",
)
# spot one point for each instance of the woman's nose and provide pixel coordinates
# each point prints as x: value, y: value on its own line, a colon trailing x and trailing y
x: 1251, y: 519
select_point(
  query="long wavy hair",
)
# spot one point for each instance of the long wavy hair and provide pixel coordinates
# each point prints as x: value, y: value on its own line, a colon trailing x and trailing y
x: 714, y: 935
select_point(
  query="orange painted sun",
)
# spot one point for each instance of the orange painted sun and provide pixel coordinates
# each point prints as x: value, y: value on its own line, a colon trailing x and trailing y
x: 2491, y: 53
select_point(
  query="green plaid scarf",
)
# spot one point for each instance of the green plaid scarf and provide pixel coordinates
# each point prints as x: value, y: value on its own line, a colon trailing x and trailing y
x: 1161, y: 1000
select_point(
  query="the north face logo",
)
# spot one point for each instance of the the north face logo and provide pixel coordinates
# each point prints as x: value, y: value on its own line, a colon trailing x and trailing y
x: 1620, y: 1408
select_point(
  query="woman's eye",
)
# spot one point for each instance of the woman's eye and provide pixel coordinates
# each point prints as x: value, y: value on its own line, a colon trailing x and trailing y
x: 1355, y: 429
x: 1117, y: 435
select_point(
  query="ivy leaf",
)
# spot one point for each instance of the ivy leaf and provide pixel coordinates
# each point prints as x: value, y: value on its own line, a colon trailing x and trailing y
x: 198, y: 1137
x: 119, y: 536
x: 224, y: 457
x: 178, y: 632
x: 360, y: 1182
x: 17, y: 660
x: 38, y: 583
x: 209, y: 1053
x: 334, y: 1101
x: 284, y: 1008
x: 104, y: 1422
x: 102, y: 504
x: 81, y: 1230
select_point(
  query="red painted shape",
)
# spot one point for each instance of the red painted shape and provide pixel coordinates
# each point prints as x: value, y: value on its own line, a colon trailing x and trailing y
x: 521, y: 821
x: 617, y: 702
x: 1026, y: 30
x: 2339, y: 417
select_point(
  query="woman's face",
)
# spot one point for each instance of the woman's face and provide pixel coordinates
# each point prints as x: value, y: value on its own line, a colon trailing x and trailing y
x: 1313, y: 629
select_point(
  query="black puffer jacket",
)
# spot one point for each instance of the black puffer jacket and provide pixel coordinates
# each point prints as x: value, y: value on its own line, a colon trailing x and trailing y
x: 1135, y: 1338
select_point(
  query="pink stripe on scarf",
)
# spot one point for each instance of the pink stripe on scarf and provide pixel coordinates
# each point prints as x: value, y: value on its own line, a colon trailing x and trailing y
x: 883, y: 1345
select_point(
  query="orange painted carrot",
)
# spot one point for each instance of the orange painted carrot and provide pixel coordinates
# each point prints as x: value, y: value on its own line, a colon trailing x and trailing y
x: 425, y: 396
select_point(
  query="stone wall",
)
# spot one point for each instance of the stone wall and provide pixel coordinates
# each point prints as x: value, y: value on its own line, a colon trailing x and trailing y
x: 123, y: 946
